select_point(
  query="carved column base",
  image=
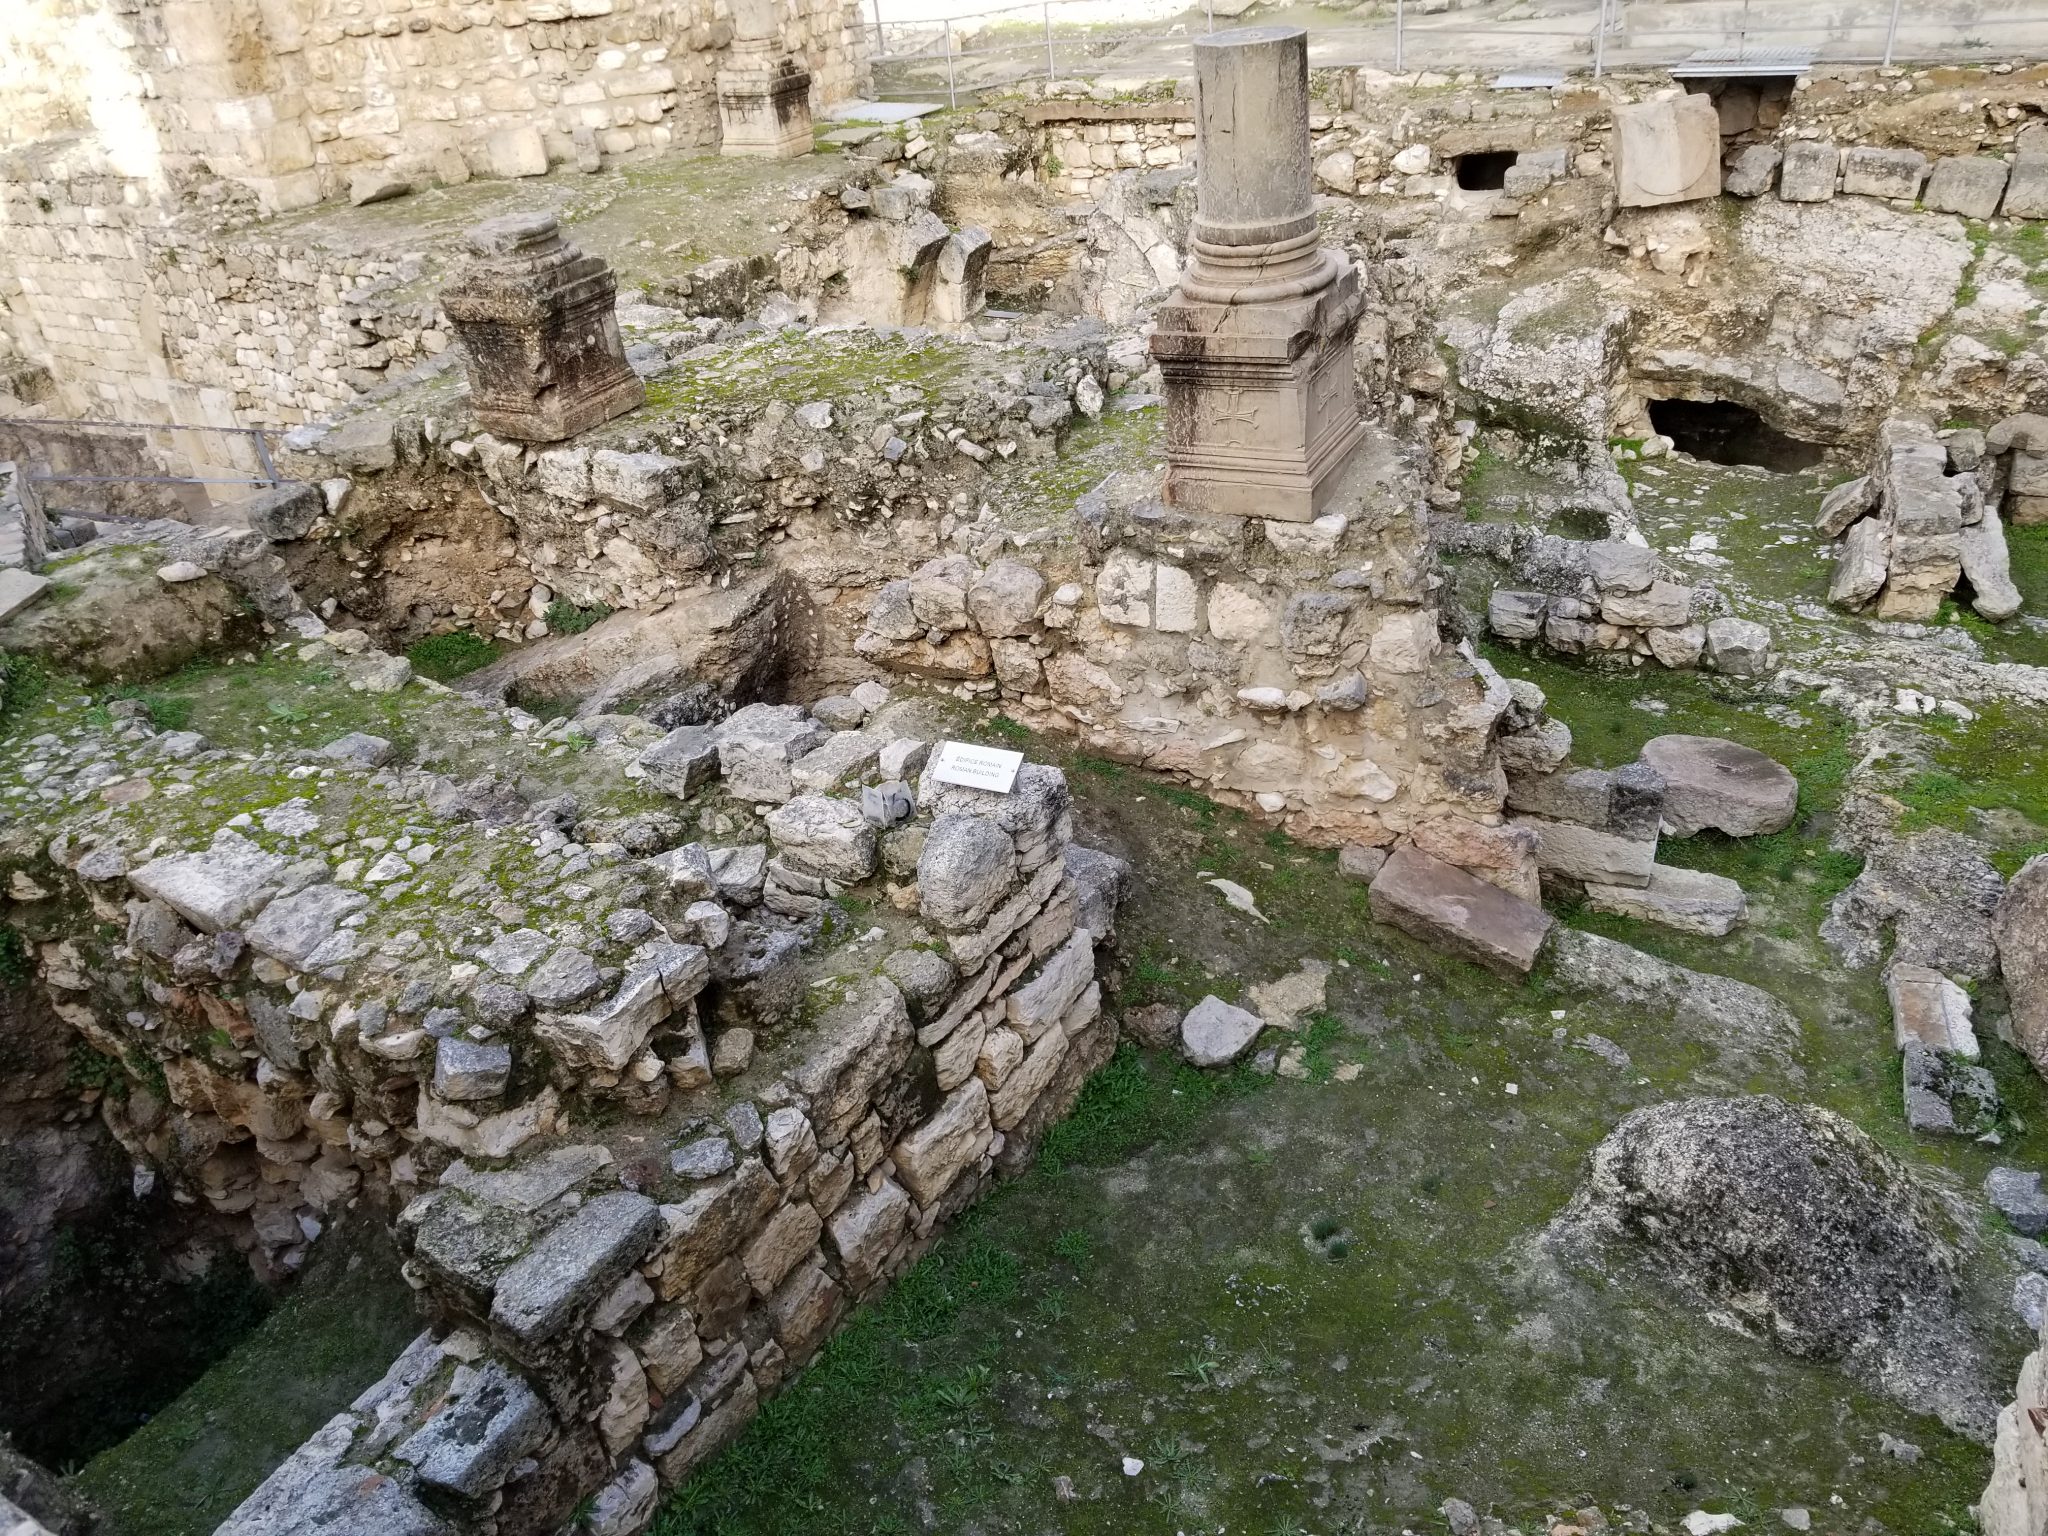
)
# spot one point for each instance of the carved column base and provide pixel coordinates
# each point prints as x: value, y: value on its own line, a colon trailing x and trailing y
x: 764, y: 109
x: 1261, y: 403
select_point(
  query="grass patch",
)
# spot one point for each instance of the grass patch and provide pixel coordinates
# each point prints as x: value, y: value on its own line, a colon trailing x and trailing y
x: 456, y: 654
x: 341, y: 1324
x: 567, y: 618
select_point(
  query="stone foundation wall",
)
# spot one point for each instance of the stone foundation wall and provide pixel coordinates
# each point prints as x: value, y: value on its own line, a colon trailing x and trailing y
x: 662, y: 1112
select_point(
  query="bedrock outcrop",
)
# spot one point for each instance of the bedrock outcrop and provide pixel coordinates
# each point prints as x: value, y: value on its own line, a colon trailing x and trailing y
x: 1795, y: 1224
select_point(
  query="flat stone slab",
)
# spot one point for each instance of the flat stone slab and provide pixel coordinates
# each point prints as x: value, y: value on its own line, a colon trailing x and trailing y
x: 1441, y: 905
x: 1588, y: 854
x: 1929, y: 1009
x: 217, y: 889
x: 1690, y: 900
x: 1215, y: 1033
x: 574, y: 1264
x: 19, y: 588
x: 1712, y: 783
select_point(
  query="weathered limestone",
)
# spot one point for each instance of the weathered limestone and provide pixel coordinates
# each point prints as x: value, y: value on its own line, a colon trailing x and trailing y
x: 1966, y: 184
x: 2020, y: 928
x: 1255, y: 346
x: 1871, y: 172
x: 1689, y: 900
x: 764, y: 93
x: 1711, y: 783
x: 1667, y: 151
x: 1440, y: 904
x: 535, y: 316
x: 1809, y: 171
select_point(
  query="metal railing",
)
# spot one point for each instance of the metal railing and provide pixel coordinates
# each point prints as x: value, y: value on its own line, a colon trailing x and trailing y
x: 73, y: 444
x: 960, y: 52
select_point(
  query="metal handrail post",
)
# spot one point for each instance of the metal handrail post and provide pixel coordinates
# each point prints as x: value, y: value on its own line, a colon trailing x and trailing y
x: 881, y: 47
x: 1600, y: 42
x: 952, y: 95
x: 263, y: 456
x: 1891, y: 36
x: 1049, y: 67
x: 1400, y: 26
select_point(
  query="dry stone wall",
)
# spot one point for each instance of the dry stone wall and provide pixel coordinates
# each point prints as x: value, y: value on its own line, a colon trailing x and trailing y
x: 660, y: 1114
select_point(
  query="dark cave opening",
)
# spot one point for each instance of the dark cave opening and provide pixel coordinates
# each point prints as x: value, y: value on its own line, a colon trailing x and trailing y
x: 1722, y: 432
x: 1484, y: 170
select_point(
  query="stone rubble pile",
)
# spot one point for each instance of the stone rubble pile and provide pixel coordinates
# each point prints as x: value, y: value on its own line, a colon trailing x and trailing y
x: 1925, y: 520
x: 1612, y: 596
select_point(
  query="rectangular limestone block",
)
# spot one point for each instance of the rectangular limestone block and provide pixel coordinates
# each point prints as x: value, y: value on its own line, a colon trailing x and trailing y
x: 1444, y: 906
x: 1871, y: 172
x: 1809, y: 171
x: 1667, y: 151
x: 1970, y: 185
x: 1585, y: 853
x: 2026, y: 188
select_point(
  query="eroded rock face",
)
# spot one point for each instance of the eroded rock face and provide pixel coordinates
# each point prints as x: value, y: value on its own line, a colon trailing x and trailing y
x: 1795, y: 1223
x: 2020, y: 929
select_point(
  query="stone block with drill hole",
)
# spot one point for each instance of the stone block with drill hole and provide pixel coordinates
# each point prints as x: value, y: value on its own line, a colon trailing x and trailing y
x: 1255, y: 345
x: 536, y: 320
x: 1667, y: 151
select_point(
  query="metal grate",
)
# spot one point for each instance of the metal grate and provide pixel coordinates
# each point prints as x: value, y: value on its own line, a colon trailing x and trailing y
x: 1743, y: 62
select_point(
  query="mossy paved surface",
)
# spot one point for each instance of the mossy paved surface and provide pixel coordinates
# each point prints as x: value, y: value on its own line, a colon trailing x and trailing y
x: 334, y: 1333
x: 1318, y: 1305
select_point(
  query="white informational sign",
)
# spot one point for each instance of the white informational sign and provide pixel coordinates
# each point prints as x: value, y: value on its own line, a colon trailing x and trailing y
x: 962, y: 762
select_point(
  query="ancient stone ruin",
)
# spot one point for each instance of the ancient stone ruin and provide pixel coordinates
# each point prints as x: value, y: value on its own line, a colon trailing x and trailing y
x: 751, y: 779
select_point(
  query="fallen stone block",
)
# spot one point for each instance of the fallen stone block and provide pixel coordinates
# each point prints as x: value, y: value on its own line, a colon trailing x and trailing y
x: 1987, y: 566
x: 1861, y: 564
x: 1739, y: 647
x: 1755, y: 168
x: 1713, y: 783
x: 1930, y: 1010
x: 1589, y: 854
x: 1689, y: 900
x: 2017, y: 1196
x: 1843, y: 504
x: 758, y: 745
x: 1441, y: 905
x: 682, y: 761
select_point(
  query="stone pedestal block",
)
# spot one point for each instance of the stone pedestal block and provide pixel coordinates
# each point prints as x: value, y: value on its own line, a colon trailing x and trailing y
x: 1667, y: 151
x: 536, y: 317
x: 764, y: 92
x: 1255, y: 346
x: 764, y: 107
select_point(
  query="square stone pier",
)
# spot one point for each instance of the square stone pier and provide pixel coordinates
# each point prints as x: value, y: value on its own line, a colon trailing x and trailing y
x: 536, y: 317
x: 1255, y: 346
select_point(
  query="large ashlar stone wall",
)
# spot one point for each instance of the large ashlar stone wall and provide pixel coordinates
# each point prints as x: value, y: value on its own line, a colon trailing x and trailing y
x: 292, y: 98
